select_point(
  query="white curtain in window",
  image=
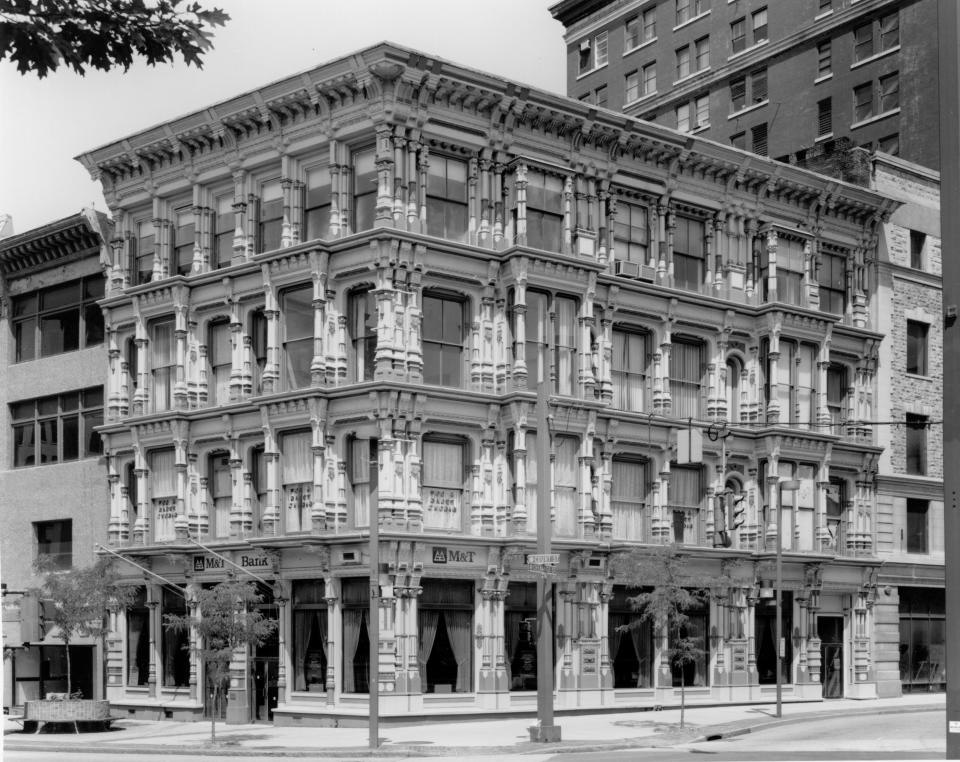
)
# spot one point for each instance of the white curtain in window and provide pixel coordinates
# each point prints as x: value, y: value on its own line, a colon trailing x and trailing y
x: 628, y: 495
x: 136, y: 624
x: 629, y: 359
x: 360, y: 480
x: 163, y: 473
x: 806, y: 373
x: 566, y: 332
x: 565, y: 488
x: 428, y: 634
x: 685, y: 486
x: 163, y: 365
x: 219, y: 356
x: 530, y: 485
x: 685, y: 373
x: 353, y: 621
x: 460, y: 634
x: 296, y: 462
x: 302, y: 624
x: 511, y: 629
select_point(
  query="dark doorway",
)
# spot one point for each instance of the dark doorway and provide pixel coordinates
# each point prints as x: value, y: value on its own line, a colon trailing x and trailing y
x: 266, y: 668
x: 830, y: 632
x: 766, y: 621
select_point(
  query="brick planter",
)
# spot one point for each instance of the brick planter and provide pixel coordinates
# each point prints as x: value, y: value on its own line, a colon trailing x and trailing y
x: 68, y: 710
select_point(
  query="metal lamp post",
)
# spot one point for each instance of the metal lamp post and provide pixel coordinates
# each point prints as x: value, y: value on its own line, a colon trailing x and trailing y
x: 789, y: 485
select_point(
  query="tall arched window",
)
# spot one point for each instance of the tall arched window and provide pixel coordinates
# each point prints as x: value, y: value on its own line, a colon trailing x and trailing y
x: 733, y: 389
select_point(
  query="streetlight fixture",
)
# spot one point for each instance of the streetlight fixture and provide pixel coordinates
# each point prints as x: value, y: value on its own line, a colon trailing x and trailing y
x: 787, y: 485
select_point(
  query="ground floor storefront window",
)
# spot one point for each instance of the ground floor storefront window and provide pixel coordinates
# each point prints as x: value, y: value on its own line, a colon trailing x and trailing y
x: 922, y: 639
x: 445, y: 630
x: 356, y: 637
x: 138, y: 639
x: 520, y: 636
x: 692, y: 673
x: 175, y: 649
x: 766, y: 639
x: 309, y: 636
x: 631, y: 650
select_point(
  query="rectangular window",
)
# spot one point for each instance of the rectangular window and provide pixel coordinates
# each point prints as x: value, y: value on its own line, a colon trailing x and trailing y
x: 738, y: 94
x: 889, y: 92
x: 686, y: 372
x: 650, y: 79
x: 223, y: 224
x: 600, y: 96
x: 824, y: 58
x: 298, y: 318
x: 163, y: 493
x: 443, y: 484
x: 833, y: 280
x: 683, y: 11
x: 649, y: 19
x: 536, y: 325
x: 443, y: 338
x: 889, y: 29
x: 863, y: 102
x: 758, y: 136
x: 296, y: 476
x: 631, y: 33
x: 61, y: 318
x: 890, y: 144
x: 55, y: 542
x: 836, y: 394
x: 310, y: 635
x: 759, y: 25
x: 316, y: 204
x: 702, y: 48
x: 544, y: 215
x: 445, y: 629
x: 164, y: 364
x: 824, y: 6
x: 640, y: 29
x: 738, y: 35
x: 565, y: 485
x: 138, y: 639
x: 758, y: 85
x: 593, y: 53
x: 916, y: 441
x: 143, y: 248
x: 219, y: 358
x: 631, y: 232
x: 824, y: 117
x: 701, y: 108
x: 364, y: 189
x: 917, y: 333
x: 270, y: 220
x: 917, y: 243
x: 863, y: 42
x: 601, y: 46
x: 683, y: 62
x: 790, y: 271
x: 917, y: 535
x: 628, y: 495
x: 739, y: 141
x: 363, y: 471
x: 447, y: 198
x: 683, y: 117
x: 363, y: 334
x: 183, y: 241
x: 632, y: 87
x: 629, y: 370
x: 688, y: 253
x: 565, y: 344
x: 685, y: 495
x: 220, y: 484
x: 796, y: 381
x: 174, y: 652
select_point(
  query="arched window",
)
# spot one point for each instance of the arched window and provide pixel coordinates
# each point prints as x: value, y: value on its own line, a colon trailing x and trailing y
x: 733, y: 389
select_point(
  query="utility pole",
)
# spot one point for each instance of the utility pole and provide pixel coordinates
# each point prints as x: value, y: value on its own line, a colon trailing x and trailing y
x: 948, y: 27
x: 545, y: 731
x: 373, y: 626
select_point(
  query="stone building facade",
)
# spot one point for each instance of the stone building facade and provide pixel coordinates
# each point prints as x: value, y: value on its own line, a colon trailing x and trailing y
x: 332, y: 298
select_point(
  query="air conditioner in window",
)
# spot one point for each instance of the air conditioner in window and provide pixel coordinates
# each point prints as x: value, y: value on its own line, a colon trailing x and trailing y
x: 627, y: 269
x: 648, y: 273
x: 584, y: 46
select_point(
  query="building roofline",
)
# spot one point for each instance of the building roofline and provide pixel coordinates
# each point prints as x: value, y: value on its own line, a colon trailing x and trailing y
x: 902, y: 165
x: 382, y: 70
x: 54, y: 242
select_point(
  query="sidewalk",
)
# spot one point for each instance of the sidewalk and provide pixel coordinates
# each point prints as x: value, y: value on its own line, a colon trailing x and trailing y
x: 581, y: 732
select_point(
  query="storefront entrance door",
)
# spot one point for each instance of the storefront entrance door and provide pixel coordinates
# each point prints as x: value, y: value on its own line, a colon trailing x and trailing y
x: 264, y: 688
x: 830, y: 632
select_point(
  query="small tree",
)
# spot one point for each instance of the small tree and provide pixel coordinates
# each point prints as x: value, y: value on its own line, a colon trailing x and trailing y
x: 77, y: 601
x: 668, y: 591
x: 42, y: 35
x: 226, y: 619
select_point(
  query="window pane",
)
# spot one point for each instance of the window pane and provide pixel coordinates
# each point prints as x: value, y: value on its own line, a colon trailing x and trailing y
x: 71, y: 437
x: 93, y: 445
x: 59, y: 333
x: 24, y: 445
x: 26, y: 338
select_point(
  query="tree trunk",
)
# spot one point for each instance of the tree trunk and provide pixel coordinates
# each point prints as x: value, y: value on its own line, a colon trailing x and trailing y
x: 66, y: 646
x: 213, y: 713
x: 683, y: 695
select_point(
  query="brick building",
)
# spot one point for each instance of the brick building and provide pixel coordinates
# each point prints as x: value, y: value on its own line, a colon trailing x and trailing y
x: 52, y: 488
x: 329, y: 299
x: 781, y: 79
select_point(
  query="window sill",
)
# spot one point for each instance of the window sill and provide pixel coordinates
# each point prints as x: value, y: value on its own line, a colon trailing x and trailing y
x: 747, y: 50
x: 825, y: 14
x: 919, y: 376
x: 699, y: 129
x: 821, y: 138
x: 748, y: 109
x: 877, y: 118
x: 641, y: 46
x: 824, y: 78
x: 692, y: 75
x: 874, y: 57
x: 591, y: 71
x: 688, y: 22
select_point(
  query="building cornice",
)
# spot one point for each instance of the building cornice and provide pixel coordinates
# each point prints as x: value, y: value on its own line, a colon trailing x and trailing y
x: 53, y: 243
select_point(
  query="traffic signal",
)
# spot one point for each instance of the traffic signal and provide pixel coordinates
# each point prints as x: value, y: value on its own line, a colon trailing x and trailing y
x: 722, y: 539
x: 738, y: 512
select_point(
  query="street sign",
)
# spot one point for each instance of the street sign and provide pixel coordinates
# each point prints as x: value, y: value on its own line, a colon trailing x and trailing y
x: 543, y: 559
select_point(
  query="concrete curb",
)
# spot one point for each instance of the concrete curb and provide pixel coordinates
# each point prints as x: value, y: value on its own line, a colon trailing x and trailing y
x: 672, y: 737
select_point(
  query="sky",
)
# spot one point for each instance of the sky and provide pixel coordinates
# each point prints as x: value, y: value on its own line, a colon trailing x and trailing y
x: 44, y: 123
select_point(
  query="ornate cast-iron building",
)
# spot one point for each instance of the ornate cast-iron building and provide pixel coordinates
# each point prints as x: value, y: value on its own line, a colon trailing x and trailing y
x: 330, y: 300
